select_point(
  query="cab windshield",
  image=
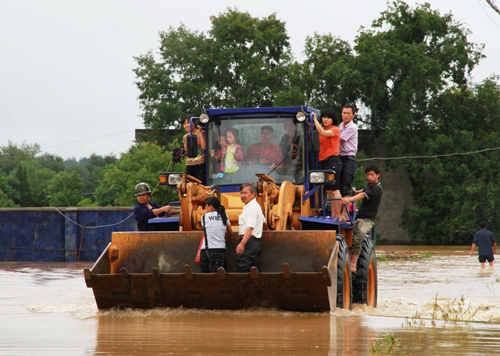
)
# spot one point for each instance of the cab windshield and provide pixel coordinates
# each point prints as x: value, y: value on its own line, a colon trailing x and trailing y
x: 240, y: 148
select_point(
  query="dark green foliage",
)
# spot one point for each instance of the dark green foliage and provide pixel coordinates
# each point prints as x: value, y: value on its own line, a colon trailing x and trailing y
x: 65, y: 189
x: 12, y: 154
x: 142, y: 163
x: 452, y: 194
x: 240, y: 62
x: 327, y: 75
x: 52, y: 162
x: 30, y: 179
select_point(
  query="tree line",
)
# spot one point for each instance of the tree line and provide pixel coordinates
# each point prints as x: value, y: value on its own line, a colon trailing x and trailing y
x: 408, y: 74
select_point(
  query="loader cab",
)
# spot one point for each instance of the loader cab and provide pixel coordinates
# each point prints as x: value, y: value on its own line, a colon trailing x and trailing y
x: 264, y: 140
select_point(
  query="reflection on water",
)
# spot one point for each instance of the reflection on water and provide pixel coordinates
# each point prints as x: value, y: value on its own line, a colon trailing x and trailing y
x: 46, y: 309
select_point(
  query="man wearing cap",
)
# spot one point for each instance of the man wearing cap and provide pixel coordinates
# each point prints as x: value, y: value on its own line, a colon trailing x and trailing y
x: 251, y: 222
x: 145, y: 209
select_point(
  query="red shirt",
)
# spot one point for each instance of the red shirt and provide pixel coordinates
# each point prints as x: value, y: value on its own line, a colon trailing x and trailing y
x: 271, y: 151
x: 329, y: 146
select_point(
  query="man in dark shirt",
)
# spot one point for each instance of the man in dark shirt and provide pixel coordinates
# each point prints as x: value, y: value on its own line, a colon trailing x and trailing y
x: 145, y: 209
x: 365, y: 219
x: 484, y: 239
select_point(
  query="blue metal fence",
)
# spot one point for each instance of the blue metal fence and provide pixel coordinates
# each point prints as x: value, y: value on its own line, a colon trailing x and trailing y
x: 60, y: 234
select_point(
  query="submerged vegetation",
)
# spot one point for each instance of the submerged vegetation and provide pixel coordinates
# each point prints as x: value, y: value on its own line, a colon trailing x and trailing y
x: 456, y: 312
x: 402, y: 256
x: 386, y: 346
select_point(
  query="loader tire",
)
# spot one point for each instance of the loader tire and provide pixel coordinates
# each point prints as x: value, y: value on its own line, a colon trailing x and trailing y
x: 365, y: 289
x: 344, y: 277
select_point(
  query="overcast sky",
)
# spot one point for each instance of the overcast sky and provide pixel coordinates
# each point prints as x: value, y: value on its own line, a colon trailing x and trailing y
x: 66, y: 79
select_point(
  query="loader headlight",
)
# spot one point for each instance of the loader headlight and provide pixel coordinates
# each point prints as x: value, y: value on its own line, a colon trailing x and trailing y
x: 171, y: 179
x: 204, y: 117
x: 300, y: 116
x: 321, y: 177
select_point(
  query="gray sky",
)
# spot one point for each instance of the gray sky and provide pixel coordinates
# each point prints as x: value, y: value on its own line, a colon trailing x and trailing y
x: 66, y: 79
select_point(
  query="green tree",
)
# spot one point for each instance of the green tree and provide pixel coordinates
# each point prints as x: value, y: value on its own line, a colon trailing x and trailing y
x: 326, y: 79
x: 53, y: 162
x: 409, y: 57
x: 29, y: 182
x: 410, y: 71
x: 12, y: 154
x: 95, y: 168
x: 5, y: 201
x: 142, y: 163
x: 240, y: 62
x: 453, y: 193
x: 65, y: 189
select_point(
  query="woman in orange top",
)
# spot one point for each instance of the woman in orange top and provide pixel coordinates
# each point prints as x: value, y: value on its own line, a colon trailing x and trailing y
x: 329, y: 141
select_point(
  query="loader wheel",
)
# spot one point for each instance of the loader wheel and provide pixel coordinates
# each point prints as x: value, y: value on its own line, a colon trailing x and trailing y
x: 344, y: 278
x: 365, y: 281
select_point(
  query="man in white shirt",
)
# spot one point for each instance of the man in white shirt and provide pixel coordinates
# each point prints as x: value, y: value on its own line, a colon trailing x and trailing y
x: 251, y: 222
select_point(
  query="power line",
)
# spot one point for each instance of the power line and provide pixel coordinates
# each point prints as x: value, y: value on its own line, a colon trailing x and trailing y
x: 88, y: 139
x: 435, y: 156
x: 493, y: 6
x: 483, y: 7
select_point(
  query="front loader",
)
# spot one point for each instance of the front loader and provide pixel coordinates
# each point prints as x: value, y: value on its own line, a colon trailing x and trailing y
x: 305, y: 263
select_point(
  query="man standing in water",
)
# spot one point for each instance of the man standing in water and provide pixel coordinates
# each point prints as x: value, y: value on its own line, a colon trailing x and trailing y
x: 365, y: 220
x: 484, y: 239
x: 251, y: 222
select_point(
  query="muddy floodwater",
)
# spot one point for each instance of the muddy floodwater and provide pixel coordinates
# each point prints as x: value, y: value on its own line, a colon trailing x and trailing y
x: 46, y: 309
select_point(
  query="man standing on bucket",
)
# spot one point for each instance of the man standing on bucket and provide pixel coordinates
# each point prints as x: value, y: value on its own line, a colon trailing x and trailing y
x: 484, y: 239
x: 251, y: 222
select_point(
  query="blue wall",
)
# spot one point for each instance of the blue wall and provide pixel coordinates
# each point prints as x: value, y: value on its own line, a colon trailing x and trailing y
x: 46, y: 234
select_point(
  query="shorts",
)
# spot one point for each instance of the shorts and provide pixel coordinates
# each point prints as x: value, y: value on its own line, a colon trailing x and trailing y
x: 489, y: 257
x: 333, y: 162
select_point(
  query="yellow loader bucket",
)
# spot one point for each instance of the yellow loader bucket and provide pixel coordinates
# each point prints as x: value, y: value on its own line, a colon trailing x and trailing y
x: 148, y: 270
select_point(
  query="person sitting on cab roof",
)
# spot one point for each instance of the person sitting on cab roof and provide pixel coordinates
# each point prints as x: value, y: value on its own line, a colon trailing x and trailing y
x: 145, y: 209
x: 265, y: 152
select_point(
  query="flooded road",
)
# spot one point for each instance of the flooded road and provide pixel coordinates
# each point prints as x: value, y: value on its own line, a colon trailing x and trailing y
x: 46, y: 309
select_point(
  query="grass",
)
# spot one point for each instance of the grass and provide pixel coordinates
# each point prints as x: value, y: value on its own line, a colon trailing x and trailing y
x: 386, y: 346
x: 382, y: 258
x: 491, y: 285
x: 416, y: 322
x: 406, y: 257
x: 456, y: 312
x: 425, y: 255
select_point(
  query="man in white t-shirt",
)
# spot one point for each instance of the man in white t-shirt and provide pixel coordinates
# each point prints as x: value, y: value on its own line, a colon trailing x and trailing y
x: 251, y: 222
